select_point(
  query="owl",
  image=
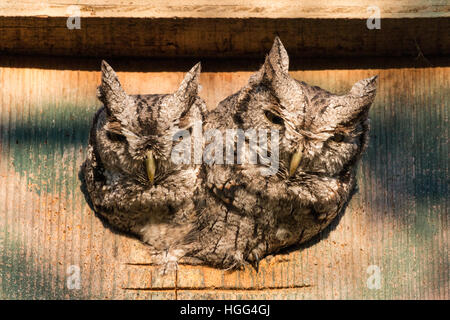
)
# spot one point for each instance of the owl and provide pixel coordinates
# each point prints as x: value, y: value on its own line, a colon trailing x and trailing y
x: 315, y: 139
x: 130, y: 176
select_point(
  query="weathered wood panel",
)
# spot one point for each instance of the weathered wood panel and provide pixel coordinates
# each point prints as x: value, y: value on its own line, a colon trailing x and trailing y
x: 227, y: 8
x: 233, y: 28
x: 397, y: 221
x: 215, y: 38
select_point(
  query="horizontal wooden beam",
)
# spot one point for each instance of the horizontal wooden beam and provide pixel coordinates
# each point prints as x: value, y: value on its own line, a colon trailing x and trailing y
x: 233, y: 28
x: 310, y: 9
x: 224, y: 38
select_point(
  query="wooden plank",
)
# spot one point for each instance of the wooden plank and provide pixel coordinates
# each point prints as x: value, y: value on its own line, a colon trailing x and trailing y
x: 232, y: 28
x: 227, y: 8
x: 224, y: 38
x: 397, y: 221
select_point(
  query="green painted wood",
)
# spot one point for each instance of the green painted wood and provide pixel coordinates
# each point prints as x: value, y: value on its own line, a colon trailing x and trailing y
x: 397, y: 221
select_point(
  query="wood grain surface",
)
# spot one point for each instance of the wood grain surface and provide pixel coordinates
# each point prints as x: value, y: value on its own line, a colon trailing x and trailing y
x: 398, y: 220
x: 226, y: 8
x: 231, y: 28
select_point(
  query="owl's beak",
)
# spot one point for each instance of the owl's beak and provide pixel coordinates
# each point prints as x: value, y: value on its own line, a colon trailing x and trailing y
x: 295, y: 161
x: 150, y: 165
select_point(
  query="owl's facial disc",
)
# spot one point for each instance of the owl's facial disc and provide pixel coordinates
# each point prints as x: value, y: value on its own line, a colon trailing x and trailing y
x: 150, y: 166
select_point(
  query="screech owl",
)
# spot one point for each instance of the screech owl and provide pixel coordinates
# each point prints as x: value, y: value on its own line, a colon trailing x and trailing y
x: 226, y: 215
x: 322, y: 136
x: 130, y: 177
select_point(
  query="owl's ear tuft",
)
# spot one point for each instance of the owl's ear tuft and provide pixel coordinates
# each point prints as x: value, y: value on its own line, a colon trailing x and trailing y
x: 189, y: 87
x: 356, y: 104
x: 278, y: 57
x: 364, y: 88
x: 110, y: 92
x: 275, y: 67
x: 363, y: 94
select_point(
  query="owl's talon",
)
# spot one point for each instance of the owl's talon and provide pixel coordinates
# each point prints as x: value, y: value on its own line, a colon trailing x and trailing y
x: 254, y: 260
x: 255, y: 264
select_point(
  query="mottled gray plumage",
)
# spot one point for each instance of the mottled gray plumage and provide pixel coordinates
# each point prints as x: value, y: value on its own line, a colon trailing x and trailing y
x: 250, y: 215
x: 226, y: 215
x: 124, y: 130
